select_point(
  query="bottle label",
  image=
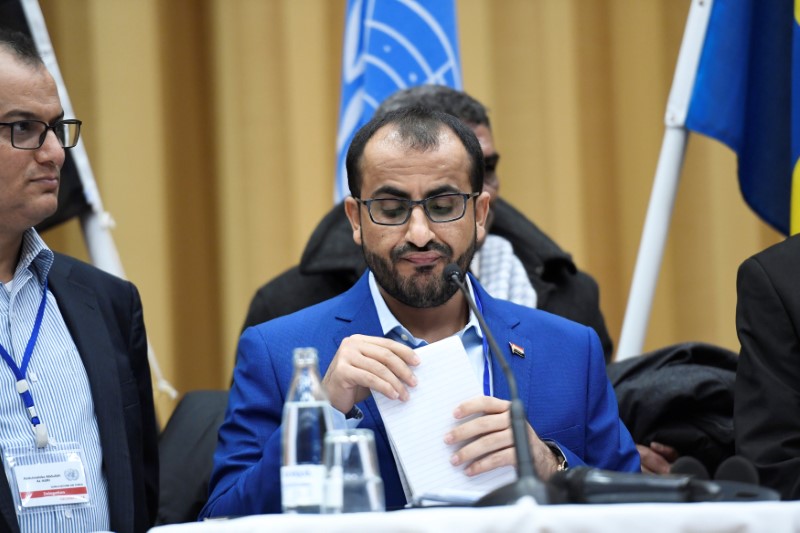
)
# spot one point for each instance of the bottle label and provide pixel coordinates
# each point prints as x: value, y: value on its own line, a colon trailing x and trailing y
x: 302, y: 485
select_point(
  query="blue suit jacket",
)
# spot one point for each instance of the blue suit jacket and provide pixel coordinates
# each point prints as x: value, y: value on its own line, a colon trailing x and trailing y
x: 561, y: 380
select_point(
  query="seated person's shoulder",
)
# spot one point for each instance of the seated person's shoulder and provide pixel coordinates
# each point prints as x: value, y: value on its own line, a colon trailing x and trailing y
x: 774, y: 267
x: 786, y: 252
x: 86, y: 274
x: 510, y: 223
x: 542, y: 257
x: 297, y: 321
x: 291, y: 291
x: 331, y: 263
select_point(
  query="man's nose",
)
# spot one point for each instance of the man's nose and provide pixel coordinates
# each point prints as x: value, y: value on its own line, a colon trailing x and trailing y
x: 51, y: 150
x: 418, y: 231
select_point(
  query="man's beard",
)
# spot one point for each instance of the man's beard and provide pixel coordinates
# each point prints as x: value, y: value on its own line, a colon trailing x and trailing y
x: 424, y: 288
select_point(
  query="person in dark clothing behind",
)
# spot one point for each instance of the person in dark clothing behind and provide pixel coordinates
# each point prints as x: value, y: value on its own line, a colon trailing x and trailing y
x: 332, y: 262
x: 767, y: 391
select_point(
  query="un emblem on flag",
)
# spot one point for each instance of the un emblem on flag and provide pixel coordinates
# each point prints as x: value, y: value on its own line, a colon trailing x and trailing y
x: 391, y: 45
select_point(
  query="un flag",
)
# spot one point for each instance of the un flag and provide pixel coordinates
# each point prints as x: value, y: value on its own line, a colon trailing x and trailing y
x: 390, y: 45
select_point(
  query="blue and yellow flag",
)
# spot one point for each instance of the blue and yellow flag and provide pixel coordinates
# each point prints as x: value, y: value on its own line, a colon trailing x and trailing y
x: 747, y: 95
x: 390, y: 45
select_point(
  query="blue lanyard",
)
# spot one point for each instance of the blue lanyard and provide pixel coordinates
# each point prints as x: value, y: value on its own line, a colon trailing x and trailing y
x: 23, y: 389
x: 487, y: 388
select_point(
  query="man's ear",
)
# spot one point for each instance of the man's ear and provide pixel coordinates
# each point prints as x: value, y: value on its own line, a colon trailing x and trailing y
x: 481, y: 213
x: 351, y: 208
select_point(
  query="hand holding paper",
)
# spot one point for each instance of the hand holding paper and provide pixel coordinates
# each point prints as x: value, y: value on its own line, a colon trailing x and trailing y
x: 417, y: 427
x: 362, y: 363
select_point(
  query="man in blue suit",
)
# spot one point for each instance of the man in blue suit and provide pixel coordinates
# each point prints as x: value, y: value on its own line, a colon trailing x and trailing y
x: 408, y: 159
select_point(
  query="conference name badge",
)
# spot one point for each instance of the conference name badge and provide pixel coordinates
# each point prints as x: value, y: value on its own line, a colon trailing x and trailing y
x: 57, y: 483
x: 45, y: 478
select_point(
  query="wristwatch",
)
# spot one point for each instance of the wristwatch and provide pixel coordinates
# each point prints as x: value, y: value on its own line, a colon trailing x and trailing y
x: 354, y: 413
x: 561, y: 459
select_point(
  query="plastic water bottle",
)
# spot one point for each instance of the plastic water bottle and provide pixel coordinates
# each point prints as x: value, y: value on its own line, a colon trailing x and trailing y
x: 306, y: 419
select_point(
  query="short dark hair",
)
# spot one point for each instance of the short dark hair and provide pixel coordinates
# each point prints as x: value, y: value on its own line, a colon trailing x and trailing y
x: 21, y: 46
x: 419, y: 129
x: 438, y: 98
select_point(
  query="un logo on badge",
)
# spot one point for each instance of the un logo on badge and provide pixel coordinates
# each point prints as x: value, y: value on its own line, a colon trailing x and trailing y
x: 72, y: 474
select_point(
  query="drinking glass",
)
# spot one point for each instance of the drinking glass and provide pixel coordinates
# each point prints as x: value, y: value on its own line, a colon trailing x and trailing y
x: 353, y: 483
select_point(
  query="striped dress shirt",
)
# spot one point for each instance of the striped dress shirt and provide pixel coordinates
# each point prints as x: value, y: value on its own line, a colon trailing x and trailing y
x: 60, y: 390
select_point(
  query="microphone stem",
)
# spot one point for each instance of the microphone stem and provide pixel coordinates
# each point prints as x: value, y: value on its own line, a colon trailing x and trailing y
x: 519, y: 430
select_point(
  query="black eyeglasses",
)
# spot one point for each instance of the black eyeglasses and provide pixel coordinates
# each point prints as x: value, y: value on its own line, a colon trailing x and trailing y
x: 30, y: 134
x: 396, y: 211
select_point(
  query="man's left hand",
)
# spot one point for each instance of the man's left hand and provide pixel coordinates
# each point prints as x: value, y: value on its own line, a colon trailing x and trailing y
x: 493, y: 444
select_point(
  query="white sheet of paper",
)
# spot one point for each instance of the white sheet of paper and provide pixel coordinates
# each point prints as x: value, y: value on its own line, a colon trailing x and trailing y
x: 417, y: 427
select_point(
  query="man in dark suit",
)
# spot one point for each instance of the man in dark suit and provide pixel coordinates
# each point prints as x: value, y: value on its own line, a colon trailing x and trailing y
x: 331, y: 262
x: 76, y: 404
x: 766, y: 408
x: 416, y: 205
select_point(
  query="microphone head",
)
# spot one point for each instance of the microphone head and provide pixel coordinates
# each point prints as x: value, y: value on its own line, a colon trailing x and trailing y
x: 737, y: 468
x: 452, y: 273
x: 689, y: 466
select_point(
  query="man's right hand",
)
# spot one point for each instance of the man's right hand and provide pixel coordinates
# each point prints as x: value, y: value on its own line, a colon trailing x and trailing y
x: 362, y: 363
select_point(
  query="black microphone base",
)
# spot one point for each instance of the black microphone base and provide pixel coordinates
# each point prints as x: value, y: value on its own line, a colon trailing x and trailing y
x: 591, y: 485
x: 513, y: 492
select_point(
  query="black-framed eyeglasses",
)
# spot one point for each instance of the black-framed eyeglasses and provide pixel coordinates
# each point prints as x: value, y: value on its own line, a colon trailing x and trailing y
x: 30, y: 134
x: 447, y: 207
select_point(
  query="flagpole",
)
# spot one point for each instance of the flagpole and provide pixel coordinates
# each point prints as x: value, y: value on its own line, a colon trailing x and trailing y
x: 665, y: 184
x: 97, y: 222
x: 101, y: 247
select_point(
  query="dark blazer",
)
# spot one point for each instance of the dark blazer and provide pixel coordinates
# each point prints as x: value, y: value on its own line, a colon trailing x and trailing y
x: 767, y: 391
x: 104, y: 315
x: 332, y: 262
x: 561, y: 381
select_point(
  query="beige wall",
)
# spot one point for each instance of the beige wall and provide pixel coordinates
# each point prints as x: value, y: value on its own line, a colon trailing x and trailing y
x: 210, y: 125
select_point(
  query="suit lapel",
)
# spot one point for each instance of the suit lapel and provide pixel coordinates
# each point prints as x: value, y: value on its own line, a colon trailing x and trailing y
x: 503, y: 327
x: 357, y: 315
x: 84, y: 319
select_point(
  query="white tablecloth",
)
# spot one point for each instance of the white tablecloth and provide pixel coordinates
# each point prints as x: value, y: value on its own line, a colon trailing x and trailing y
x: 526, y: 516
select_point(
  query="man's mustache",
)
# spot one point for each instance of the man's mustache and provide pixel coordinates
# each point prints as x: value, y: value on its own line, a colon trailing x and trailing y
x: 408, y: 248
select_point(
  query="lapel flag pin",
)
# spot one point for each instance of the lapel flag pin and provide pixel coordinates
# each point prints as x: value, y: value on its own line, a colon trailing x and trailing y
x: 517, y: 350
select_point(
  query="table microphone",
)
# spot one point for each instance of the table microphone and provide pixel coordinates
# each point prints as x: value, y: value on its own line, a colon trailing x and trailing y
x: 688, y: 465
x: 737, y: 468
x: 739, y: 480
x: 527, y: 483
